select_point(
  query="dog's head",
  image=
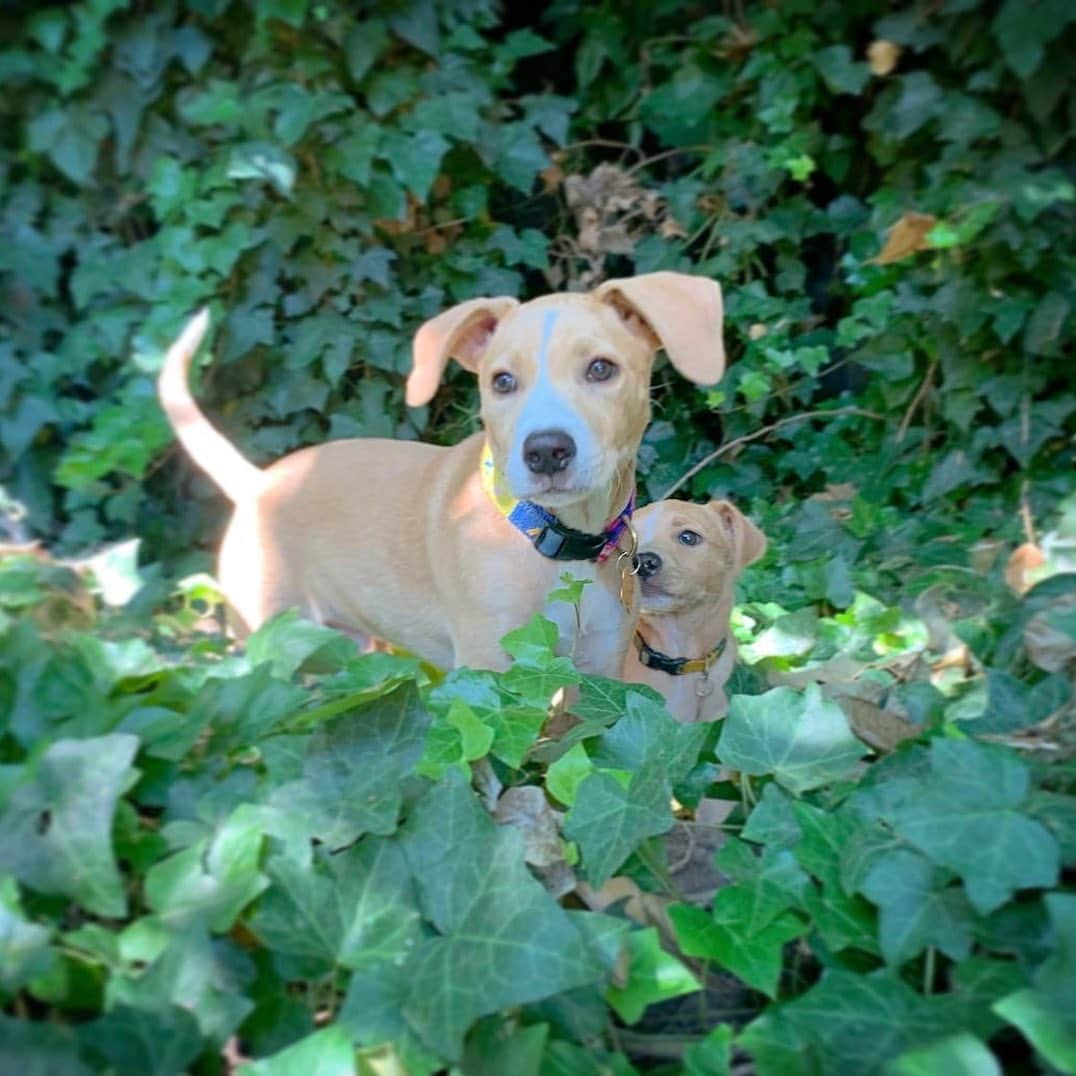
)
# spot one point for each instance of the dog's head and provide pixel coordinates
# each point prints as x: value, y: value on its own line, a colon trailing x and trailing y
x: 565, y: 380
x: 690, y: 554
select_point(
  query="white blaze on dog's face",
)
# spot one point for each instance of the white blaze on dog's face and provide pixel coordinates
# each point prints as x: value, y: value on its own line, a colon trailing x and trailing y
x: 690, y: 554
x: 565, y: 379
x: 565, y: 388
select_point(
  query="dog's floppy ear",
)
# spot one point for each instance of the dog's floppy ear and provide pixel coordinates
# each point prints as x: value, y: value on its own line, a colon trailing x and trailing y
x: 683, y: 314
x: 748, y: 542
x: 460, y: 333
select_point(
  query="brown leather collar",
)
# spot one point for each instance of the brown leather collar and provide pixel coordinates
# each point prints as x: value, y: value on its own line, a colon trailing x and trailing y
x: 655, y: 659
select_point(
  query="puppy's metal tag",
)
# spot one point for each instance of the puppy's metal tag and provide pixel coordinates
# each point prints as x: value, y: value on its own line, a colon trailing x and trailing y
x: 629, y: 568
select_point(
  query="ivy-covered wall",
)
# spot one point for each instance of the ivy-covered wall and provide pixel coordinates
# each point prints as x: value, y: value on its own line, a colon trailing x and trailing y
x: 326, y: 175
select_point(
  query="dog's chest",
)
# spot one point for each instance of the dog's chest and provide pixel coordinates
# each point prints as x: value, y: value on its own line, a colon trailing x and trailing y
x: 596, y: 634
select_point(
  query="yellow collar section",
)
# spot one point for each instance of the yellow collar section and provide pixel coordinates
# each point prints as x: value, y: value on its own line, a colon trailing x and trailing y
x: 494, y: 484
x: 655, y: 659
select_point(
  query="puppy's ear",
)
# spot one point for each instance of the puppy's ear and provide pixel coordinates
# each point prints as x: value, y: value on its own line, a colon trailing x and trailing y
x: 683, y: 314
x: 748, y: 542
x: 460, y: 333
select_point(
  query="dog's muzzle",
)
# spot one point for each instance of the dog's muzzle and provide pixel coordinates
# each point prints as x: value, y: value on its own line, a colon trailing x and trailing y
x: 649, y: 565
x: 548, y: 451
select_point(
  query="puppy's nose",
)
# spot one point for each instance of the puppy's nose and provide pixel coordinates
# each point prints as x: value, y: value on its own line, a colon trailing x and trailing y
x: 548, y: 451
x: 649, y: 564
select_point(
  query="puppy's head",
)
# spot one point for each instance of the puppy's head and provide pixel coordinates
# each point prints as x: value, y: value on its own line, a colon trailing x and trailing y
x: 690, y: 554
x: 565, y: 380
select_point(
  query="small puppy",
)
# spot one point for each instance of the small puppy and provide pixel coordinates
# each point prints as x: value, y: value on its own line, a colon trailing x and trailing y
x: 444, y: 550
x: 689, y: 558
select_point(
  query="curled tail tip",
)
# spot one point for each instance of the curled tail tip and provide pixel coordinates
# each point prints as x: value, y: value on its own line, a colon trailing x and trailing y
x: 193, y: 332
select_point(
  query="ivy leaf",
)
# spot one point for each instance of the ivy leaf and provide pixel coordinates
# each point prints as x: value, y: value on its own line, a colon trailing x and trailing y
x: 881, y: 1017
x: 958, y: 1055
x: 536, y: 685
x: 515, y: 730
x: 415, y: 159
x: 373, y: 1013
x: 499, y: 1046
x: 187, y: 969
x: 564, y: 776
x: 965, y: 816
x: 287, y: 642
x: 71, y: 136
x: 712, y: 1056
x: 1047, y: 321
x: 1023, y: 40
x: 609, y: 821
x: 157, y: 1042
x: 327, y: 1052
x: 214, y: 878
x: 56, y: 833
x: 36, y: 1048
x: 264, y: 161
x: 24, y: 946
x: 455, y: 739
x: 917, y: 908
x: 364, y: 44
x: 840, y: 72
x: 517, y: 155
x: 502, y: 940
x: 653, y: 976
x: 775, y: 881
x: 802, y: 739
x: 605, y: 700
x: 533, y: 644
x: 357, y: 913
x: 416, y: 22
x: 726, y: 938
x: 354, y: 767
x: 1046, y: 1011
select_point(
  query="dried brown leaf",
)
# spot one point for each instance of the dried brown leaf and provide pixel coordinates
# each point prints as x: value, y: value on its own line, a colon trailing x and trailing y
x: 1024, y: 561
x: 906, y: 237
x: 882, y: 57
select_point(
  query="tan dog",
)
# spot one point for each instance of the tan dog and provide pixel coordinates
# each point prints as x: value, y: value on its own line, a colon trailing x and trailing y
x: 407, y: 542
x: 689, y: 558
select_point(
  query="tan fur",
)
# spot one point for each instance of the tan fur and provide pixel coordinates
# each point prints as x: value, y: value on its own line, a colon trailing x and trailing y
x: 397, y: 540
x: 686, y: 604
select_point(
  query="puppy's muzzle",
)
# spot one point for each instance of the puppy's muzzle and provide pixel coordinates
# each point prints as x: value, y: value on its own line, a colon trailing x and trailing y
x: 649, y: 565
x: 548, y: 451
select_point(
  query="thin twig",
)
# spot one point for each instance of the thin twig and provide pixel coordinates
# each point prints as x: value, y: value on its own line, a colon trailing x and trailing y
x: 728, y: 446
x: 1025, y: 515
x: 647, y: 161
x: 925, y: 387
x: 604, y: 143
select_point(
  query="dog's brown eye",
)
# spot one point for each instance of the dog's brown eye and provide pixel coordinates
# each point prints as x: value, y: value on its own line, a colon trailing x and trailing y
x: 689, y: 538
x: 601, y: 369
x: 503, y: 383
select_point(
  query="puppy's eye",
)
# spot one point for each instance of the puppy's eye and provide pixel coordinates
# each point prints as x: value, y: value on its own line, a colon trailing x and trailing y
x: 689, y: 538
x: 601, y: 370
x: 503, y: 383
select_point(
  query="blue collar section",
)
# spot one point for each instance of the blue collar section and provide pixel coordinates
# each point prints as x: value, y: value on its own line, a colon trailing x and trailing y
x: 542, y: 529
x: 557, y: 542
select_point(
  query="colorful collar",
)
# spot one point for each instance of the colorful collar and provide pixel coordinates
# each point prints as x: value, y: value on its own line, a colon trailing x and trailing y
x: 544, y: 531
x: 655, y: 659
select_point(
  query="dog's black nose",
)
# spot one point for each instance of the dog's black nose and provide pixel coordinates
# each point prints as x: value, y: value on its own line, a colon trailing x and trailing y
x: 548, y: 451
x: 649, y: 564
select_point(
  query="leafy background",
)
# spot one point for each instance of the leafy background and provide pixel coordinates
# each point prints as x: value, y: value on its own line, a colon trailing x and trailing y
x: 886, y: 194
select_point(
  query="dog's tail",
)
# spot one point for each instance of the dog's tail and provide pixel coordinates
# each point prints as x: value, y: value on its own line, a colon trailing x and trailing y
x: 207, y: 446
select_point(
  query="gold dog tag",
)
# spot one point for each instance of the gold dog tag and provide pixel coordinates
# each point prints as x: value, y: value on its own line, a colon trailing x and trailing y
x: 628, y: 569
